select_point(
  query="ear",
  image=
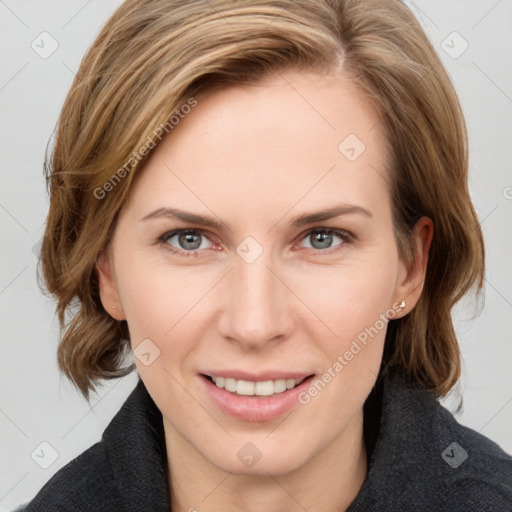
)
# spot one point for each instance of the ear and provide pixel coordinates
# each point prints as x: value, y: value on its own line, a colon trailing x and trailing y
x: 411, y: 277
x: 109, y: 294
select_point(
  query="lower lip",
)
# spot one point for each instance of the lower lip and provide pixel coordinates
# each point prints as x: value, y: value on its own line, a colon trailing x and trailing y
x: 254, y: 408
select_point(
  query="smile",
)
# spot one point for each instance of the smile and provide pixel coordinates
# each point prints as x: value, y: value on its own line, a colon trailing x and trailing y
x: 249, y: 388
x: 256, y: 400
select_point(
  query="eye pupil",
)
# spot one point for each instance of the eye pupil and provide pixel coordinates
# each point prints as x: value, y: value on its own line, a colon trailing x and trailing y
x: 191, y: 241
x: 187, y: 241
x: 323, y: 237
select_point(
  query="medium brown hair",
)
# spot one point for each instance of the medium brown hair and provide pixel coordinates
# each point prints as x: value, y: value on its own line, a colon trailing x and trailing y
x: 153, y: 56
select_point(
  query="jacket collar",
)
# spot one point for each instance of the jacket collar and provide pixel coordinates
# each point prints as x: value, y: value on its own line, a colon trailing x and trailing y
x: 404, y: 447
x: 135, y: 444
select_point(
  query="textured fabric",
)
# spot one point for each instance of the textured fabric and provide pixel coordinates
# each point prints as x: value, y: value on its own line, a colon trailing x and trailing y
x: 417, y: 467
x: 414, y: 465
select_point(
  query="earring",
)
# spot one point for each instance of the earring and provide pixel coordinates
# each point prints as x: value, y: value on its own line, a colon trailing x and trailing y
x: 113, y: 307
x: 402, y: 304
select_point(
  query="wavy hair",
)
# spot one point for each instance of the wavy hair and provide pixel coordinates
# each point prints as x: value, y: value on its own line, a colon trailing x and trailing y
x: 153, y: 56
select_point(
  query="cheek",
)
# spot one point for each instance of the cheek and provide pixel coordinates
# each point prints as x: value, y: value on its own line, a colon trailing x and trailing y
x: 351, y: 335
x: 166, y: 305
x: 151, y: 291
x: 349, y: 297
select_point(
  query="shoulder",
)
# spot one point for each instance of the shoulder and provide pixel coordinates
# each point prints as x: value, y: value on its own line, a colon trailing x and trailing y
x: 126, y: 470
x: 84, y: 484
x: 425, y: 460
x: 464, y: 468
x: 475, y: 469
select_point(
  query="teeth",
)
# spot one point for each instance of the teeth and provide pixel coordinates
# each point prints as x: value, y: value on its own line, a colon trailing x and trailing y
x: 229, y: 384
x: 248, y: 388
x: 244, y: 387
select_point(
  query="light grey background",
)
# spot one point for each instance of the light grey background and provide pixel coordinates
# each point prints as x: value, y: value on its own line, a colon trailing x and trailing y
x: 38, y: 405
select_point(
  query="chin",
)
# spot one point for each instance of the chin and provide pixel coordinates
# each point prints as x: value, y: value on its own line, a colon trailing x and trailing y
x: 256, y: 456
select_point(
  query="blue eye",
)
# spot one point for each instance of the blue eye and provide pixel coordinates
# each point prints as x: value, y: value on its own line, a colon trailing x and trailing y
x: 323, y: 238
x: 188, y: 242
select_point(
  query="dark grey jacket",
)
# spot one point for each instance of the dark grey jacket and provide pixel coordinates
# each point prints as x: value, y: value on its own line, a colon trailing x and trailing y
x: 420, y: 459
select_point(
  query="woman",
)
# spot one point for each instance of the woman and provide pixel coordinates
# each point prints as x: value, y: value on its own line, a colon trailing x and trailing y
x: 266, y: 202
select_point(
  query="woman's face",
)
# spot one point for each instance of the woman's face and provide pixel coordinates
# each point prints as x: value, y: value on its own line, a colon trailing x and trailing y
x: 263, y: 291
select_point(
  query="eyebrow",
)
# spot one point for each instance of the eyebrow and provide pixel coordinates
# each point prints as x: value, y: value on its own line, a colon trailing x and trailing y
x: 301, y: 220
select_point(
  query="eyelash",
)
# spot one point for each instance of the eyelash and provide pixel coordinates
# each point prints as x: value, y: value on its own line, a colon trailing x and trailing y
x: 162, y: 240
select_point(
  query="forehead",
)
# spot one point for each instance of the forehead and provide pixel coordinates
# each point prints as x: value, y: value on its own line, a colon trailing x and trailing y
x: 294, y: 137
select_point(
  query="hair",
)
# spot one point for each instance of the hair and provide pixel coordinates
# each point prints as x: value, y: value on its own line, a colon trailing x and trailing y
x: 149, y: 61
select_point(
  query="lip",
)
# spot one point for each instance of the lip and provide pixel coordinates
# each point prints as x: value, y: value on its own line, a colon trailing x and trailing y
x: 254, y: 408
x: 256, y: 377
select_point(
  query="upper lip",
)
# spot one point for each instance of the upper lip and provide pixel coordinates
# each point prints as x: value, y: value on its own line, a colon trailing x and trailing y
x: 261, y: 376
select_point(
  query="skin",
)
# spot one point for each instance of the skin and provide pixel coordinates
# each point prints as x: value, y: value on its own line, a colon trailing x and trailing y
x: 255, y: 158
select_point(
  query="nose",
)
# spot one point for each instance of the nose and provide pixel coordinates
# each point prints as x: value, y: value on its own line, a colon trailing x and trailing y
x: 258, y: 308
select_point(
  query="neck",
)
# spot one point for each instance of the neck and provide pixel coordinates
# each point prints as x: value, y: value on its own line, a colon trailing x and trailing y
x: 329, y: 481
